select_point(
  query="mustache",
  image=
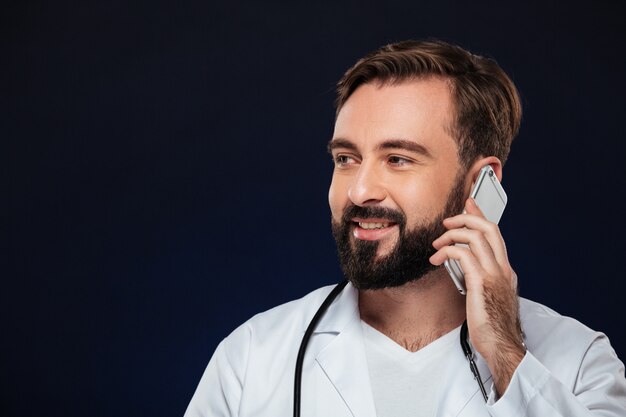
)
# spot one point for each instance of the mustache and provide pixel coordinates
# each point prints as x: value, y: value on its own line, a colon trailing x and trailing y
x: 352, y: 211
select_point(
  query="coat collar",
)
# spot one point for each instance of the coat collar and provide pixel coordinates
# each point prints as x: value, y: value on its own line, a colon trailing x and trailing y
x: 341, y: 313
x: 344, y: 362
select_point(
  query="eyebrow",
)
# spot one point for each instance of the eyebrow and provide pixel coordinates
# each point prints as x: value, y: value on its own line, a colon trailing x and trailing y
x: 340, y: 143
x: 407, y: 145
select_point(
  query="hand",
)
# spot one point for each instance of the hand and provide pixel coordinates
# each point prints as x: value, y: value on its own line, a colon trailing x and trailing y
x: 491, y: 284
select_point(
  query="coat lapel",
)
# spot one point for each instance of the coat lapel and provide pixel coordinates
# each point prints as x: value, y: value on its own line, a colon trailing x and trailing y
x: 460, y: 395
x: 343, y: 359
x: 344, y: 363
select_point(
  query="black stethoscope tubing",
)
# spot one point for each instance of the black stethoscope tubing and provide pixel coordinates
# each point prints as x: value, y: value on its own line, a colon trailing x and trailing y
x: 297, y: 386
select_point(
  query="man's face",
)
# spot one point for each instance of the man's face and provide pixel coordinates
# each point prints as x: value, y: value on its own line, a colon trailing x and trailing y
x: 396, y: 177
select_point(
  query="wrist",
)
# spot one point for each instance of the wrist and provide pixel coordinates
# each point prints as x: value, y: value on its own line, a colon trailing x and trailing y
x: 503, y: 365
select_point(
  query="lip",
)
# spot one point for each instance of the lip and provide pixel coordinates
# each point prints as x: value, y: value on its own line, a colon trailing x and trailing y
x: 373, y: 234
x: 371, y: 220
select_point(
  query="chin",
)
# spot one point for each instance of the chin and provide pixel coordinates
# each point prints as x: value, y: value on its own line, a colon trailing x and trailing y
x: 385, y: 250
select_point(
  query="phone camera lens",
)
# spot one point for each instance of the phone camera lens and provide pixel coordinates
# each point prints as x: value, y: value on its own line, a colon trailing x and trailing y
x: 490, y: 173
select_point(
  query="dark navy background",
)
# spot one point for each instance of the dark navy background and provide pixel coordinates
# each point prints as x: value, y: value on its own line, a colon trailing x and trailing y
x: 165, y: 176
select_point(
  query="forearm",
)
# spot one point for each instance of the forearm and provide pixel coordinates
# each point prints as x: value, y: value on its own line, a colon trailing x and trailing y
x: 507, y: 348
x: 506, y: 360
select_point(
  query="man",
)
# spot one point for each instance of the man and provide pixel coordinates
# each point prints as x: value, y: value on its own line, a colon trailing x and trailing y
x: 416, y: 122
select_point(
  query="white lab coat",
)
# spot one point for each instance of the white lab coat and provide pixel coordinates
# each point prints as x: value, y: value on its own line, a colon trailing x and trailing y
x: 569, y: 370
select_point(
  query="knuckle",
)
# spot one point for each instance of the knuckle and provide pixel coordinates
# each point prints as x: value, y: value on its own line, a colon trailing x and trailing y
x: 475, y: 234
x: 466, y: 254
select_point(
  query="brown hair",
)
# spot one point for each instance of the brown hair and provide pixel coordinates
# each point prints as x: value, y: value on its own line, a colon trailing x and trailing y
x: 488, y: 107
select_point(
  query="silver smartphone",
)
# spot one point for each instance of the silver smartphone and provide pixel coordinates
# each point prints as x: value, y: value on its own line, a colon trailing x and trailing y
x: 491, y: 199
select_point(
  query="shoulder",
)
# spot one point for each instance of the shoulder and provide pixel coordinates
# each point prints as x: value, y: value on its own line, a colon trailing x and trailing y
x: 561, y: 343
x: 541, y: 322
x: 259, y: 354
x: 282, y: 321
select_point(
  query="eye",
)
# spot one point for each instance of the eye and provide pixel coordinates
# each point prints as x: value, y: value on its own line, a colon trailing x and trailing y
x: 342, y: 160
x: 398, y: 160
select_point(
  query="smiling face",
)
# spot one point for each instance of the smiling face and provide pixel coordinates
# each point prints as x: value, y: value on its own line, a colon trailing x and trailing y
x: 396, y: 176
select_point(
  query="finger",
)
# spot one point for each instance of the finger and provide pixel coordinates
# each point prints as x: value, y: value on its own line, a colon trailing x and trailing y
x: 478, y: 245
x: 463, y: 235
x: 489, y: 229
x: 470, y: 265
x: 471, y: 207
x: 471, y: 221
x: 513, y: 280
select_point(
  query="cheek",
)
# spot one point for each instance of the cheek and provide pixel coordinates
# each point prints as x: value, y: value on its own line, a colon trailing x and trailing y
x: 422, y: 200
x: 337, y: 199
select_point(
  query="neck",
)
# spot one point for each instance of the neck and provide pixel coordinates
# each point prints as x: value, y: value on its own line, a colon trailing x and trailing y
x: 416, y: 313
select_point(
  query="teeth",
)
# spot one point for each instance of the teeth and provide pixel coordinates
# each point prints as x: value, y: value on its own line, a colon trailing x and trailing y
x: 373, y: 225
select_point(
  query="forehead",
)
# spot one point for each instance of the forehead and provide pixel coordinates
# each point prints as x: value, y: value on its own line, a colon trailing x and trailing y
x: 419, y: 110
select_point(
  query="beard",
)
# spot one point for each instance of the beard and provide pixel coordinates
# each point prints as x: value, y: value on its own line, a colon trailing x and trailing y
x: 409, y: 258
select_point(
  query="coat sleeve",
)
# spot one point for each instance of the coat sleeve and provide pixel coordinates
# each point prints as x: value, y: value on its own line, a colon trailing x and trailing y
x: 599, y: 389
x: 219, y: 392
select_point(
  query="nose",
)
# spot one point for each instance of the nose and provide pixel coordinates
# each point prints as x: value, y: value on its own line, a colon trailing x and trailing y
x: 367, y: 187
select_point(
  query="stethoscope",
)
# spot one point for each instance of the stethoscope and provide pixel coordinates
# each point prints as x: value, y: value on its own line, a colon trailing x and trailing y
x: 297, y: 388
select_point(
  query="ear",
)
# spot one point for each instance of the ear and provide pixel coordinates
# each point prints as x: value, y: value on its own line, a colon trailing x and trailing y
x: 495, y: 163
